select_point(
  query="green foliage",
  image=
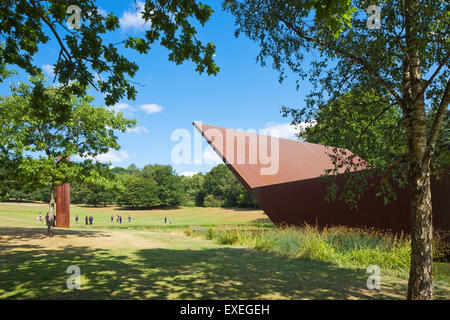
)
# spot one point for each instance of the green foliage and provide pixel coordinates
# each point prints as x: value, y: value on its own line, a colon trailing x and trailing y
x: 339, y: 245
x: 221, y: 188
x: 41, y: 128
x: 346, y: 122
x: 212, y: 201
x: 170, y: 189
x: 193, y: 190
x: 84, y: 56
x: 357, y: 75
x: 91, y: 195
x: 138, y: 192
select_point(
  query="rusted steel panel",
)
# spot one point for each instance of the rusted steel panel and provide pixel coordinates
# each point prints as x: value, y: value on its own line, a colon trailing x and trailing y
x: 303, y: 201
x: 296, y: 160
x: 296, y: 193
x: 63, y: 204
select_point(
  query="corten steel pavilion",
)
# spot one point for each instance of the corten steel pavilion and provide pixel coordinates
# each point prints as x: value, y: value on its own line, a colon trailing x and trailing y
x: 295, y: 193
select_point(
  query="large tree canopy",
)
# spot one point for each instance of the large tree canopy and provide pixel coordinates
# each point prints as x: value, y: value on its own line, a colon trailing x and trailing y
x: 84, y: 56
x: 405, y: 61
x: 40, y: 129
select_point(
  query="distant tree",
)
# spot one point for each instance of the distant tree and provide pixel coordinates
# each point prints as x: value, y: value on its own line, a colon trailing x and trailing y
x: 192, y: 190
x: 91, y: 195
x: 212, y: 201
x: 245, y: 199
x: 170, y: 189
x: 221, y: 188
x: 42, y: 138
x: 138, y: 192
x: 132, y: 169
x: 217, y: 180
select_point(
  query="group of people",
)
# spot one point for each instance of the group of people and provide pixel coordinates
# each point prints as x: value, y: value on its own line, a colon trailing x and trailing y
x: 88, y: 220
x: 119, y: 218
x: 47, y: 219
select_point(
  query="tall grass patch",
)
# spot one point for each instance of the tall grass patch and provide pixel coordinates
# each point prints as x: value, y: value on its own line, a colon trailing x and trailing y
x: 340, y: 245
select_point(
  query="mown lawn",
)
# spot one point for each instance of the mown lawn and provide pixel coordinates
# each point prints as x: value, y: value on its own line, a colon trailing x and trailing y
x: 25, y: 215
x: 164, y: 263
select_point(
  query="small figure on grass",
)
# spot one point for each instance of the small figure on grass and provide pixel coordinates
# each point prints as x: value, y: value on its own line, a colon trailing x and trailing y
x: 86, y: 220
x: 91, y: 220
x: 112, y: 218
x: 129, y: 218
x: 120, y: 219
x: 40, y: 218
x: 76, y: 218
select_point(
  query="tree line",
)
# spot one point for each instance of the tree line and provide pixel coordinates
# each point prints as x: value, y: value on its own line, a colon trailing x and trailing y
x: 153, y: 186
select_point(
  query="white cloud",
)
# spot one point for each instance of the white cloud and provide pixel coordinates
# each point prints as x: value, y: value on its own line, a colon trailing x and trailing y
x: 189, y: 173
x: 102, y: 12
x: 112, y: 156
x: 285, y: 130
x: 151, y: 108
x: 122, y: 107
x: 211, y: 157
x: 49, y: 69
x: 133, y: 19
x: 137, y: 130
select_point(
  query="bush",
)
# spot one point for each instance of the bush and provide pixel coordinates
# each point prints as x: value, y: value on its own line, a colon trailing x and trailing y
x: 211, y: 201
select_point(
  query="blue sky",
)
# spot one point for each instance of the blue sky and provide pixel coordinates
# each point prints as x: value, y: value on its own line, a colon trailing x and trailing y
x: 243, y: 95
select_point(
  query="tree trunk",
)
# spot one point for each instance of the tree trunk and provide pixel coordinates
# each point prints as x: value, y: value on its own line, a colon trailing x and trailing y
x: 420, y: 286
x: 51, y: 212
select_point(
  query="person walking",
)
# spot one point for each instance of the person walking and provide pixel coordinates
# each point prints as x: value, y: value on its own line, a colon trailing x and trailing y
x: 129, y: 218
x: 86, y: 220
x: 120, y: 219
x: 91, y: 219
x: 112, y: 218
x: 40, y: 217
x: 76, y: 218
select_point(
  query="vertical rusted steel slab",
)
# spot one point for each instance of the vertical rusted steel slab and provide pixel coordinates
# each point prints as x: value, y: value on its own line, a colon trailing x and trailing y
x: 63, y: 204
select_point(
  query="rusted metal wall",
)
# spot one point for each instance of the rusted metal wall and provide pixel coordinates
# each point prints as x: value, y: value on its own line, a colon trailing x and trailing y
x: 63, y: 206
x: 299, y: 202
x: 296, y: 193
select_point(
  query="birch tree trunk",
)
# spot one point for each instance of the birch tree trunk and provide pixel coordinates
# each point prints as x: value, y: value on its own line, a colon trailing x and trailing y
x: 420, y: 285
x: 51, y: 211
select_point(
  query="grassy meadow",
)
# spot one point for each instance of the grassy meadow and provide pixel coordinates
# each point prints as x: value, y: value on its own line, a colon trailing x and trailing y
x: 204, y: 253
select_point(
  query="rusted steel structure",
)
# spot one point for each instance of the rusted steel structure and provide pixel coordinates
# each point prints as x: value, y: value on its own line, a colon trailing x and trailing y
x: 63, y: 204
x: 296, y: 192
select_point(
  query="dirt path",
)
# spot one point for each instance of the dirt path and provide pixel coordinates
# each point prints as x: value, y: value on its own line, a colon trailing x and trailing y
x: 32, y: 237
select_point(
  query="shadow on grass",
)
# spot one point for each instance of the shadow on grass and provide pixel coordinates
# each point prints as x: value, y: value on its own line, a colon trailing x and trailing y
x: 41, y: 233
x: 216, y: 273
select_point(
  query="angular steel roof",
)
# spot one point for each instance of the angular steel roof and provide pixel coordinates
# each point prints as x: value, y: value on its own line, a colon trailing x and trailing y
x: 296, y: 160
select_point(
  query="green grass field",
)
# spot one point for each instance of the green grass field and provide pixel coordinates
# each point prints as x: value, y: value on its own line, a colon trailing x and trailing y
x: 147, y: 259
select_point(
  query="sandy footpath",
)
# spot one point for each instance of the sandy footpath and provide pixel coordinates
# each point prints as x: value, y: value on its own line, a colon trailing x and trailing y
x: 32, y: 237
